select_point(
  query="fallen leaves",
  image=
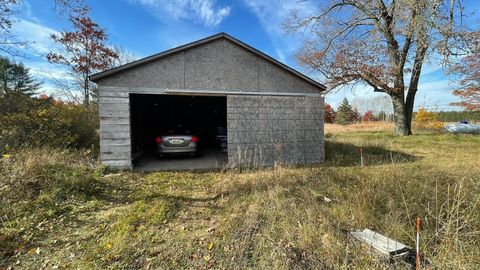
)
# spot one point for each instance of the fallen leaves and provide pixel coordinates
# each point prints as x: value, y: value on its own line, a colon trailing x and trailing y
x: 34, y: 251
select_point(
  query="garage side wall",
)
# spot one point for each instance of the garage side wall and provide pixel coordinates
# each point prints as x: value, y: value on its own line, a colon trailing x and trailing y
x: 115, y: 143
x: 269, y: 130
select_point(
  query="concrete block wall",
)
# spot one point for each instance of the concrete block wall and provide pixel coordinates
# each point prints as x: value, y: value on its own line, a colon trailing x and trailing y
x: 269, y: 130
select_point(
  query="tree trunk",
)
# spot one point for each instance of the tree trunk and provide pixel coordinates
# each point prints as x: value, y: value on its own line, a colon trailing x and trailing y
x: 86, y: 92
x: 402, y: 128
x: 413, y: 87
x: 409, y: 107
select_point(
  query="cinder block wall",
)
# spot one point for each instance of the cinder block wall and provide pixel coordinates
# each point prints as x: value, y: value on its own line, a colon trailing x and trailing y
x: 269, y: 130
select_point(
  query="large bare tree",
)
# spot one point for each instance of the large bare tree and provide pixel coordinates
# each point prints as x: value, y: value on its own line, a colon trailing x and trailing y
x: 380, y: 43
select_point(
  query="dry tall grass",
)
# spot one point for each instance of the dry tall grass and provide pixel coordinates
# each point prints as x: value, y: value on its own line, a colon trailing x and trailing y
x: 281, y: 218
x: 364, y: 126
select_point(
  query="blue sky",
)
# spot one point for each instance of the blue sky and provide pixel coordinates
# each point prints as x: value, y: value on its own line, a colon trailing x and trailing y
x: 145, y: 27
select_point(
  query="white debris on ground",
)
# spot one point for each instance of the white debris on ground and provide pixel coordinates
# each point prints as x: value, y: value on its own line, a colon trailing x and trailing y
x: 460, y: 128
x: 381, y: 243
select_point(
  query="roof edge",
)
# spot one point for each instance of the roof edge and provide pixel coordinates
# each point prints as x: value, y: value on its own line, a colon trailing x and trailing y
x: 98, y: 76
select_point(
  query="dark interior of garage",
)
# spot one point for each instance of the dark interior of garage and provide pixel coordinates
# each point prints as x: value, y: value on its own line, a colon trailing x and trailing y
x: 156, y: 115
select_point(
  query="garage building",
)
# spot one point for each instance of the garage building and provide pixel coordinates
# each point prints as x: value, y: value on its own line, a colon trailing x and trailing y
x: 271, y: 113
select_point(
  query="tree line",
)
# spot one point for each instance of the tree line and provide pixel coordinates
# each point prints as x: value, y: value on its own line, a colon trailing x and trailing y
x: 346, y: 114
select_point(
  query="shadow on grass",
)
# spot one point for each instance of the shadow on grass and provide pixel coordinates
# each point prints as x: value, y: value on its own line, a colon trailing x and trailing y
x: 346, y: 154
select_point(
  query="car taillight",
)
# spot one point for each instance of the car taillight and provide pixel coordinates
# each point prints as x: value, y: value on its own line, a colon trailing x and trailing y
x: 158, y: 140
x: 194, y: 139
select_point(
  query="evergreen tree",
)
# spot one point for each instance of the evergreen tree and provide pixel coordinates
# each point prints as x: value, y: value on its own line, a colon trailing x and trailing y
x: 16, y: 78
x: 345, y: 113
x: 382, y: 116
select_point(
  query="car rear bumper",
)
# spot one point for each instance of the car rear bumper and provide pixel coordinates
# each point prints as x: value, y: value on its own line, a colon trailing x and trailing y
x: 192, y: 148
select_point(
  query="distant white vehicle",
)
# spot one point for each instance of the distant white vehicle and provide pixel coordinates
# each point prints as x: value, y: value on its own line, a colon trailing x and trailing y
x: 463, y: 128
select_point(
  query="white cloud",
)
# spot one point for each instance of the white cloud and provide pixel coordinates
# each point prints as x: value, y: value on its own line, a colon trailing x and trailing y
x: 272, y: 14
x: 45, y: 70
x: 37, y: 34
x: 34, y: 53
x: 207, y: 12
x: 281, y: 55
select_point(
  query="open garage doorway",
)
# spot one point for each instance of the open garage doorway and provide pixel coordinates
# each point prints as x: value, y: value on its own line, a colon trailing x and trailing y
x: 178, y: 132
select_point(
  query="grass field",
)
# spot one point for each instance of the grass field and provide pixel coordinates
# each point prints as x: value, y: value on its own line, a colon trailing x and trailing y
x: 60, y: 209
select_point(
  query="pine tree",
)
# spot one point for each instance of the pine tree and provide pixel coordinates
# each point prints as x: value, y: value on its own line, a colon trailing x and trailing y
x: 345, y: 113
x: 16, y: 78
x: 382, y: 116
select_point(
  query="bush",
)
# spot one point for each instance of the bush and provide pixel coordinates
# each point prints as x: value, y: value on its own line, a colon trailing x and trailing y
x: 427, y: 120
x: 329, y: 114
x: 32, y: 122
x: 33, y: 173
x: 369, y: 117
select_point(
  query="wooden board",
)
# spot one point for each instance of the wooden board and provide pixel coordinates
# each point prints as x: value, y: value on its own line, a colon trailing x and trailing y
x: 381, y: 243
x: 115, y: 141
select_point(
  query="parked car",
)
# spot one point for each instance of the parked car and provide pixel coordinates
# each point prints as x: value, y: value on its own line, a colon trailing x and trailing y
x: 177, y: 143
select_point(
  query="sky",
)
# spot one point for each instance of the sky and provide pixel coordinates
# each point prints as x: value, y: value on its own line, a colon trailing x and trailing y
x: 146, y: 27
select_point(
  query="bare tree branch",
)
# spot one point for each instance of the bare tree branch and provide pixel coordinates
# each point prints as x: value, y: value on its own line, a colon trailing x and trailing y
x: 380, y: 43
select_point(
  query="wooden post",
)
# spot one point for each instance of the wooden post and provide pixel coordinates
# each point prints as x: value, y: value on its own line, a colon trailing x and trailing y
x: 361, y: 157
x: 417, y: 258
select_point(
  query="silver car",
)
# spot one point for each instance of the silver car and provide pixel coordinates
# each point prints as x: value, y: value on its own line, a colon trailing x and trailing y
x: 177, y: 143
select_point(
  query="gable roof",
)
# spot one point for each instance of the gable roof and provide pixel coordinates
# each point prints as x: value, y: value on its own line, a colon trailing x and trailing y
x: 148, y: 59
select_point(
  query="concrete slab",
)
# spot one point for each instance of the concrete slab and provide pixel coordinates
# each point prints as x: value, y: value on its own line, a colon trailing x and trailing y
x: 209, y: 159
